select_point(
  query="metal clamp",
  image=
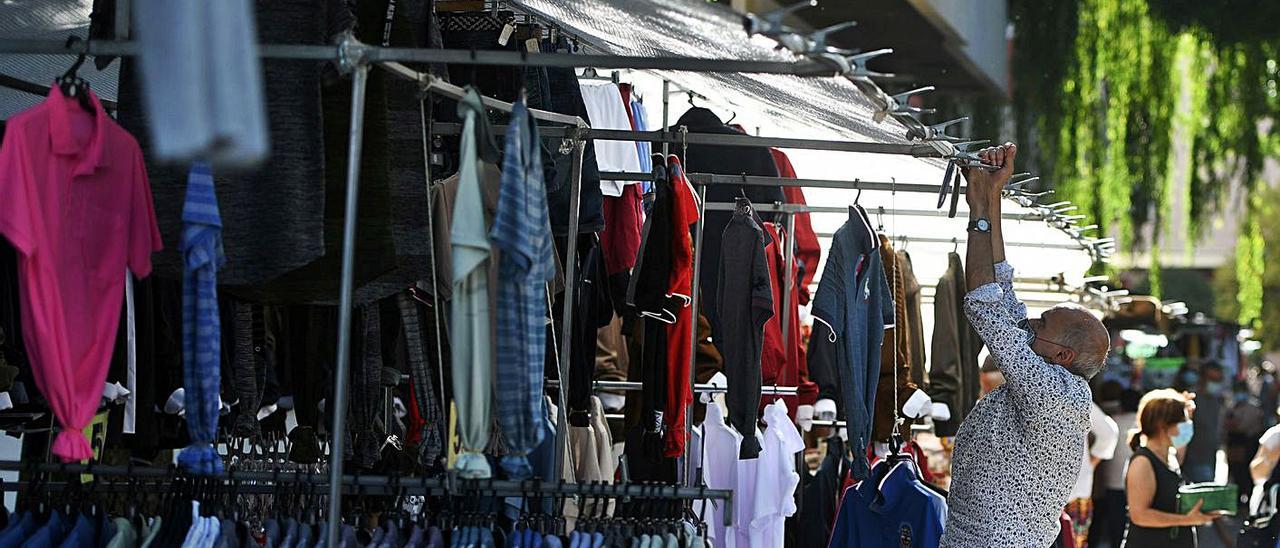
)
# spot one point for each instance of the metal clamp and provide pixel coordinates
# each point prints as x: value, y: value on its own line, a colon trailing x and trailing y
x: 770, y: 25
x: 351, y: 53
x: 858, y: 64
x: 818, y: 39
x: 939, y: 131
x: 901, y: 100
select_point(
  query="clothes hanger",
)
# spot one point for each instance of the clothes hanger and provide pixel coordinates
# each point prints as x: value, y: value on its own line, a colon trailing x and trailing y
x: 590, y: 73
x: 71, y: 84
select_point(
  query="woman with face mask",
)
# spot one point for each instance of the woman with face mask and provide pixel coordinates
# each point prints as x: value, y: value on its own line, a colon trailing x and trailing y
x: 1151, y: 485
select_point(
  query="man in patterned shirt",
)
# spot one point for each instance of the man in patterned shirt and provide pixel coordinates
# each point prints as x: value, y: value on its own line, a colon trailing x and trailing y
x: 1019, y: 450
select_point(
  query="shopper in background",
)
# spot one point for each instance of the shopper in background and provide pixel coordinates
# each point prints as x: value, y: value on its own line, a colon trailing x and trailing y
x: 1153, y: 478
x: 1109, y: 513
x: 1103, y: 437
x: 1201, y: 459
x: 1244, y: 424
x: 1268, y: 393
x: 1268, y: 453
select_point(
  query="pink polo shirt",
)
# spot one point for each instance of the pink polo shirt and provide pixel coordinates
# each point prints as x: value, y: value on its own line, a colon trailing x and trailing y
x: 75, y: 202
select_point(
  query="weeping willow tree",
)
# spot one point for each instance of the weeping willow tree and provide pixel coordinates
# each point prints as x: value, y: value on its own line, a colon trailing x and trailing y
x: 1104, y: 87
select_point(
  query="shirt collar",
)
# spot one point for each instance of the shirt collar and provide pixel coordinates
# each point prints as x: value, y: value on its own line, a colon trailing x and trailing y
x: 96, y: 153
x: 884, y: 491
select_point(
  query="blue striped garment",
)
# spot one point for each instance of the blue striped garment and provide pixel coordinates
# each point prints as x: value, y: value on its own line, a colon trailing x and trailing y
x: 522, y: 231
x: 201, y: 334
x: 644, y: 148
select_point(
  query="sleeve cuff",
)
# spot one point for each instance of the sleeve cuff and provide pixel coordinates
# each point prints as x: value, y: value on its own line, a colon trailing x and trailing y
x: 1004, y: 272
x: 986, y: 293
x: 825, y: 409
x: 940, y: 411
x: 807, y: 393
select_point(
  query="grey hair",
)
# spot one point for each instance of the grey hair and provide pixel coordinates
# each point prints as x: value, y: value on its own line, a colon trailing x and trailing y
x: 1091, y: 358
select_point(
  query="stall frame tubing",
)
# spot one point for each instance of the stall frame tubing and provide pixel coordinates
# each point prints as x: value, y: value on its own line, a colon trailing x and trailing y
x: 926, y: 149
x: 377, y: 54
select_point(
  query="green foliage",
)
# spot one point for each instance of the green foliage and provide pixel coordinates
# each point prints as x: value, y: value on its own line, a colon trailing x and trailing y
x: 1103, y: 87
x: 1226, y: 21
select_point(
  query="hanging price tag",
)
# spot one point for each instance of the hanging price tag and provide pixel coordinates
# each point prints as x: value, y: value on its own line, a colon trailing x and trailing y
x: 531, y: 45
x: 505, y: 37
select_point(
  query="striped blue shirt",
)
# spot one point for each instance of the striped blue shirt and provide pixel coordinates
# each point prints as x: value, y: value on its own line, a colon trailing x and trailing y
x: 526, y: 262
x: 201, y: 333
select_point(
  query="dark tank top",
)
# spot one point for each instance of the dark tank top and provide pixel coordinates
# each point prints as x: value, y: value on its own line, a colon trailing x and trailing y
x: 1165, y: 500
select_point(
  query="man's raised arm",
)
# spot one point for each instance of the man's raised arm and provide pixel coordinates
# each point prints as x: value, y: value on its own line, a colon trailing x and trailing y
x: 986, y: 238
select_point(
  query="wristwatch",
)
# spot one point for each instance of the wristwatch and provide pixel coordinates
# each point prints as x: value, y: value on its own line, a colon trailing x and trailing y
x: 980, y: 224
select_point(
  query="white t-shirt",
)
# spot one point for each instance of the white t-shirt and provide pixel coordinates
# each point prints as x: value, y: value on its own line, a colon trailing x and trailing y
x: 720, y: 470
x: 1271, y: 438
x: 763, y: 488
x: 1105, y: 437
x: 1113, y: 470
x: 775, y: 480
x: 606, y: 110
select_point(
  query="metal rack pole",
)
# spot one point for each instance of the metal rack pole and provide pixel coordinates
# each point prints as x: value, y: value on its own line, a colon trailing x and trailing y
x: 376, y: 54
x: 710, y: 179
x: 795, y: 208
x: 692, y: 476
x: 856, y: 184
x: 788, y: 259
x: 666, y: 113
x: 359, y: 82
x: 963, y: 241
x: 635, y: 386
x: 566, y: 327
x: 916, y: 149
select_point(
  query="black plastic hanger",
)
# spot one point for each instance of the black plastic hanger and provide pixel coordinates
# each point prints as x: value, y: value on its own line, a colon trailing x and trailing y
x: 71, y: 84
x: 946, y: 184
x: 955, y: 194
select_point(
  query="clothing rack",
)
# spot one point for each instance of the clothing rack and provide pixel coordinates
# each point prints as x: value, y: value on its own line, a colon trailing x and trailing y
x: 355, y: 58
x: 431, y: 84
x: 389, y: 485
